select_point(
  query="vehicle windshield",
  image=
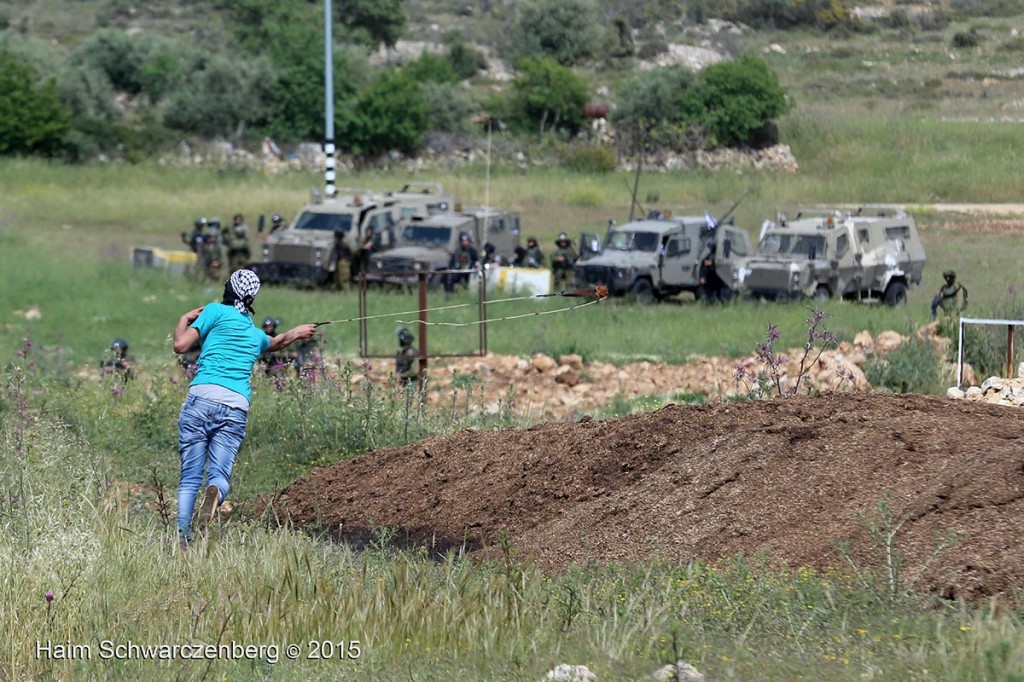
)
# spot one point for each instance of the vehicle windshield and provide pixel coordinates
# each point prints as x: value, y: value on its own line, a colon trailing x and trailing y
x: 632, y: 241
x: 325, y: 222
x: 775, y: 244
x: 810, y: 246
x: 429, y: 235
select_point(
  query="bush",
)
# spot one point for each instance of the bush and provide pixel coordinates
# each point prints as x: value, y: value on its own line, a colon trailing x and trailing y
x: 466, y: 60
x: 965, y: 39
x: 914, y: 367
x: 449, y: 108
x: 548, y: 96
x: 431, y: 68
x: 735, y: 101
x: 651, y: 107
x: 391, y: 113
x: 564, y: 30
x: 222, y: 99
x: 591, y: 159
x: 32, y: 118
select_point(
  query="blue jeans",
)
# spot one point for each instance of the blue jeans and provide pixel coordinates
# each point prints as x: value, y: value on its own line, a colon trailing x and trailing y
x: 208, y: 433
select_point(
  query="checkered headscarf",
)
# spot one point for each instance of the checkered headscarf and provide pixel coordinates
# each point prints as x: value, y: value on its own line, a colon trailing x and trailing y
x: 245, y: 285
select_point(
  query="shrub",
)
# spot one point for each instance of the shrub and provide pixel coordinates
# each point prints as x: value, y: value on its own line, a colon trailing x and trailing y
x: 32, y: 118
x: 650, y: 107
x: 735, y: 101
x: 465, y: 59
x: 965, y: 39
x: 548, y: 95
x: 431, y: 68
x: 564, y: 30
x: 390, y: 113
x: 449, y: 108
x: 205, y: 109
x: 914, y: 367
x: 591, y: 159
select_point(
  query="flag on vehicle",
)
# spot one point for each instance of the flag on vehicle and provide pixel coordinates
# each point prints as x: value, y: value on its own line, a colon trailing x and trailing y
x: 710, y: 220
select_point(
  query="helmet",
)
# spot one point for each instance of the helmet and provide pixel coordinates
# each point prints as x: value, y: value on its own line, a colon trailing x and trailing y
x: 200, y: 223
x: 276, y: 218
x: 489, y: 248
x: 949, y: 274
x: 464, y: 236
x: 405, y: 336
x: 239, y: 217
x: 562, y: 237
x: 119, y: 344
x: 531, y: 241
x: 270, y: 322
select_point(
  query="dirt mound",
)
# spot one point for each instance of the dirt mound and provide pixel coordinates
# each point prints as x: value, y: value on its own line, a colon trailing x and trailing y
x: 790, y: 477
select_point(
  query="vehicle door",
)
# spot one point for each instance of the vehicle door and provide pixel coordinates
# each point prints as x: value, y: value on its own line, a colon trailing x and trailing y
x: 501, y: 230
x: 732, y: 247
x: 845, y: 268
x: 675, y: 260
x: 590, y: 245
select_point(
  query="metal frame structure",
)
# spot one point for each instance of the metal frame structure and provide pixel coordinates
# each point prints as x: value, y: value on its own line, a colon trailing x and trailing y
x: 1010, y: 326
x: 423, y: 279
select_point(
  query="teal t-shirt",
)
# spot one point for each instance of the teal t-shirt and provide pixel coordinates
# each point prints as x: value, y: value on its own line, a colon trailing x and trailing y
x: 231, y: 345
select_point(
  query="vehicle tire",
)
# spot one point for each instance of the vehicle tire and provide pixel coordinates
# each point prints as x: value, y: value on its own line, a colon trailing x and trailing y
x: 642, y: 292
x: 896, y: 294
x: 726, y: 293
x: 821, y: 294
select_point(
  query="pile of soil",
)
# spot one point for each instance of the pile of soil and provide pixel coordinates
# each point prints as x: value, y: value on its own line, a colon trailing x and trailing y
x: 789, y: 477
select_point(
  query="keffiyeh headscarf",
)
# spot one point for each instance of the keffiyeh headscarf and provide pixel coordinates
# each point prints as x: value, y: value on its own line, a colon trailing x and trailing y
x: 244, y: 284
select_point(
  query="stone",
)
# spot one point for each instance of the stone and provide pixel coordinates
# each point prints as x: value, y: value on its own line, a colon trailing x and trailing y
x: 567, y: 375
x: 993, y: 384
x: 955, y: 393
x: 574, y: 360
x: 564, y: 672
x: 542, y: 363
x: 680, y: 672
x: 974, y: 393
x: 888, y: 341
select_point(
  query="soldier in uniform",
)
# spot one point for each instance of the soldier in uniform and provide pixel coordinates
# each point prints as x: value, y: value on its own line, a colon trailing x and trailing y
x: 269, y: 361
x: 212, y: 258
x: 405, y: 358
x: 342, y: 257
x: 464, y: 258
x: 534, y: 252
x: 198, y: 236
x: 490, y: 256
x: 118, y: 361
x: 562, y: 261
x: 237, y: 243
x: 237, y: 222
x: 710, y: 283
x: 276, y: 223
x: 948, y: 297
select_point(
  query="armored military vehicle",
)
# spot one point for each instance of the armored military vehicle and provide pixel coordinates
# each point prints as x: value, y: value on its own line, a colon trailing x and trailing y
x: 427, y: 244
x: 661, y: 256
x: 869, y: 254
x: 307, y: 250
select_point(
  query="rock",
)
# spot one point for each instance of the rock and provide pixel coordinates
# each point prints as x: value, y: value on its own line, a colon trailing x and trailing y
x: 575, y: 361
x: 567, y: 375
x: 569, y: 673
x: 974, y: 393
x: 681, y: 671
x: 888, y: 341
x: 863, y: 340
x: 993, y: 384
x: 955, y: 393
x: 542, y: 363
x: 1020, y: 371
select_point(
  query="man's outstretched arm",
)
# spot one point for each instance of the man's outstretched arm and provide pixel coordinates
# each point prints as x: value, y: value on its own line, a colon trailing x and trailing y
x: 300, y: 333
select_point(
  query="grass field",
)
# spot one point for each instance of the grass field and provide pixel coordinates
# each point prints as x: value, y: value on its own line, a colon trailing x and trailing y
x: 86, y: 462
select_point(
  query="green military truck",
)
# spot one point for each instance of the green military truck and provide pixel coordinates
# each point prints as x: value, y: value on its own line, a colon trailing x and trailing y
x: 307, y: 250
x: 427, y: 244
x: 873, y: 253
x: 651, y: 259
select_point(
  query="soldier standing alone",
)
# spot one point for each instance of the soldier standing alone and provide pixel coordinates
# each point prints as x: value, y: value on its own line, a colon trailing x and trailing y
x: 946, y: 299
x: 239, y: 252
x: 405, y: 358
x: 562, y: 261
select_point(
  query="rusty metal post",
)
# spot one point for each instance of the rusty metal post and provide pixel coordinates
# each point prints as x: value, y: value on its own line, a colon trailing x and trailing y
x: 483, y: 311
x: 1009, y: 351
x: 422, y: 376
x: 364, y: 343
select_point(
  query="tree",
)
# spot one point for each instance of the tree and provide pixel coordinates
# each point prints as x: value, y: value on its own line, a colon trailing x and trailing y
x: 390, y: 113
x: 372, y: 22
x: 547, y: 94
x: 32, y: 119
x: 565, y: 30
x: 651, y: 106
x: 736, y: 101
x: 222, y: 98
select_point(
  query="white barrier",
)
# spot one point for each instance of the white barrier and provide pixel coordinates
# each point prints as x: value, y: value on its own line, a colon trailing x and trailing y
x: 519, y: 281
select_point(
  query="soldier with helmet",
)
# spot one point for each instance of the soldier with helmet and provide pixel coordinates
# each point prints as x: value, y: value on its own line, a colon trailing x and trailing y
x: 948, y: 298
x: 195, y: 240
x: 562, y: 261
x: 237, y: 243
x: 118, y: 361
x: 405, y: 358
x: 534, y: 253
x: 276, y: 223
x: 464, y: 258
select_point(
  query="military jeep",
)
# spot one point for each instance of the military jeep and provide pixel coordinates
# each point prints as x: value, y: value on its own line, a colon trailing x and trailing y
x: 427, y: 244
x: 872, y: 253
x: 654, y: 258
x: 306, y: 252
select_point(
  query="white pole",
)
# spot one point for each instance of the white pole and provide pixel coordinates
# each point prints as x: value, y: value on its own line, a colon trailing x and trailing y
x: 330, y: 188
